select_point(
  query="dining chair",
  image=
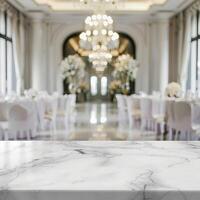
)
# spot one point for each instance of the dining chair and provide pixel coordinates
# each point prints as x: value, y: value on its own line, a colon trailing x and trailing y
x: 71, y: 105
x: 122, y: 109
x: 51, y: 104
x: 146, y: 113
x: 184, y: 121
x: 4, y: 109
x: 158, y: 113
x: 21, y: 123
x: 130, y: 108
x: 40, y: 106
x: 134, y: 112
x: 170, y: 118
x: 62, y: 116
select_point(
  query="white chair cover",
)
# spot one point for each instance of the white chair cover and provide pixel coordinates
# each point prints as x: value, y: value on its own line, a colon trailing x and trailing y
x: 133, y: 109
x: 71, y: 103
x: 130, y: 108
x: 146, y: 113
x: 170, y: 117
x: 40, y: 104
x: 183, y: 118
x: 21, y: 123
x: 122, y: 109
x: 4, y: 110
x: 63, y: 111
x: 51, y: 104
x: 121, y: 102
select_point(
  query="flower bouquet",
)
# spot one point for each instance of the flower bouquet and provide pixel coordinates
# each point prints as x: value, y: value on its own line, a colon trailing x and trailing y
x: 126, y: 68
x: 72, y: 71
x: 72, y: 67
x: 173, y: 90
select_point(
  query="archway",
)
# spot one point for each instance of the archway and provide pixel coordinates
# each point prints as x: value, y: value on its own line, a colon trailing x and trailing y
x: 69, y: 50
x: 59, y: 34
x: 98, y: 86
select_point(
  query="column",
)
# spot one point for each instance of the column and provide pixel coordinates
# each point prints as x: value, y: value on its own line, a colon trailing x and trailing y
x: 38, y: 52
x: 164, y: 56
x: 159, y: 55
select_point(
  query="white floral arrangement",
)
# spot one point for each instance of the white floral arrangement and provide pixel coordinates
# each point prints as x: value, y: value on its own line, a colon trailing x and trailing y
x: 173, y: 90
x: 72, y: 67
x: 115, y: 87
x: 126, y: 68
x: 133, y: 66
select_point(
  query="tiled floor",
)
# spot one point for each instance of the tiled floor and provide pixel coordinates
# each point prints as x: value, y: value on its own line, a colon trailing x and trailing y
x: 97, y: 121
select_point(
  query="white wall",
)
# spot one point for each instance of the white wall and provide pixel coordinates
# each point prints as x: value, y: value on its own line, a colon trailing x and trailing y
x: 151, y: 40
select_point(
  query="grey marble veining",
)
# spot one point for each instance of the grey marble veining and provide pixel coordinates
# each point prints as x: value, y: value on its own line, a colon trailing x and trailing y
x: 99, y: 170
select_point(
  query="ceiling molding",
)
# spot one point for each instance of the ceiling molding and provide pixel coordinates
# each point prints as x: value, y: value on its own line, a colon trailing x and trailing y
x: 171, y: 7
x: 128, y: 5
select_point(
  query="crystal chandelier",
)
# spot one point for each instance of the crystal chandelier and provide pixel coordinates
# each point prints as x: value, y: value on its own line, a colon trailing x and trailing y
x: 99, y: 37
x: 99, y: 32
x: 100, y: 58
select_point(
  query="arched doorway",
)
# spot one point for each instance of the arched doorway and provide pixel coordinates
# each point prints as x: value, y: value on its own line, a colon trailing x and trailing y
x: 98, y: 85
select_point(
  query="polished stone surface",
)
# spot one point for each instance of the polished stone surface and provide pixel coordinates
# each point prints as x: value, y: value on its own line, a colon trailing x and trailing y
x: 99, y: 170
x: 98, y: 121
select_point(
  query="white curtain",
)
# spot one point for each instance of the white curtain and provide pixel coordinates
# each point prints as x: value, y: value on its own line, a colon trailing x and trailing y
x: 22, y: 47
x: 18, y: 35
x: 2, y: 51
x: 184, y: 66
x: 180, y: 43
x: 181, y: 46
x: 173, y: 53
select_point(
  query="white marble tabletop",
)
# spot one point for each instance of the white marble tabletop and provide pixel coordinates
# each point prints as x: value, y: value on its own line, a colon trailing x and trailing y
x: 99, y: 170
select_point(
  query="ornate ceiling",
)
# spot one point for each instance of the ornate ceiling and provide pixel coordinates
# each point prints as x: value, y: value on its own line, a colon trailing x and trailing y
x: 121, y: 7
x: 135, y: 5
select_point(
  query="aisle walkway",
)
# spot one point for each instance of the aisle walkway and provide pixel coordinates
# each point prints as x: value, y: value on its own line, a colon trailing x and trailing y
x: 98, y: 121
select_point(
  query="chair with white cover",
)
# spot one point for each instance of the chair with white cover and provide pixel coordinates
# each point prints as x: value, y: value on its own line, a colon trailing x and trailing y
x: 184, y: 123
x: 62, y: 104
x: 71, y: 102
x: 146, y: 113
x: 170, y: 118
x: 122, y: 108
x: 133, y: 109
x: 4, y: 110
x: 158, y: 113
x: 130, y: 110
x: 195, y: 114
x: 40, y: 104
x: 136, y: 110
x: 63, y: 111
x: 121, y: 104
x: 21, y: 123
x: 2, y: 137
x: 71, y: 105
x: 51, y: 104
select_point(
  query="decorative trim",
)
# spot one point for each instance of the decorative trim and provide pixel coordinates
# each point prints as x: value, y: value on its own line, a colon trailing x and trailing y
x: 194, y: 7
x: 5, y: 6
